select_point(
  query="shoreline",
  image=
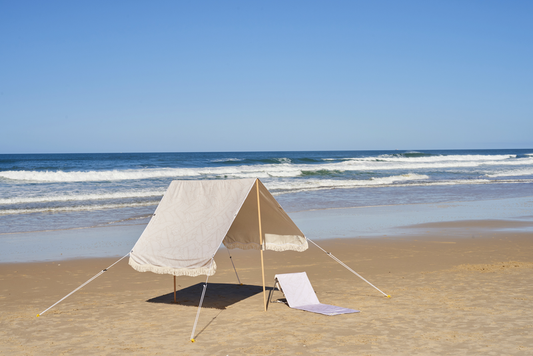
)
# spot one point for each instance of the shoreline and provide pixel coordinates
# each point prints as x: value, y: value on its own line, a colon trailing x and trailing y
x: 367, y: 222
x: 326, y: 199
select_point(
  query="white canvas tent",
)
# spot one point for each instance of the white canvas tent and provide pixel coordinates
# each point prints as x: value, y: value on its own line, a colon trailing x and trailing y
x: 194, y: 218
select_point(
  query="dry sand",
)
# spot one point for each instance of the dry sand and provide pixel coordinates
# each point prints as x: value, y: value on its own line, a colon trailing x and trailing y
x: 457, y: 288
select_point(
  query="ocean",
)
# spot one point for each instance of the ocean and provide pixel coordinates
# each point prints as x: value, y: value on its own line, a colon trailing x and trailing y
x: 52, y: 192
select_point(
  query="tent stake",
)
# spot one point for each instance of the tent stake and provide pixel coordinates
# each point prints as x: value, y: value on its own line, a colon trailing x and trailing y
x: 174, y: 289
x: 261, y: 242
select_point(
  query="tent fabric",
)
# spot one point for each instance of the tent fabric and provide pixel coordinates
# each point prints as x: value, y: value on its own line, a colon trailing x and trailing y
x: 195, y: 217
x: 279, y: 231
x: 300, y: 295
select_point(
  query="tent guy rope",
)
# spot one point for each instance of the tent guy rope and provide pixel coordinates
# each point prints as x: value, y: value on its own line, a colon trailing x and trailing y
x: 348, y: 268
x: 83, y: 285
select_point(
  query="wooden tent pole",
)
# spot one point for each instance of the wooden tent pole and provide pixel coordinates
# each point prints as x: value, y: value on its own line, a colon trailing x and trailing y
x: 261, y: 242
x: 174, y: 289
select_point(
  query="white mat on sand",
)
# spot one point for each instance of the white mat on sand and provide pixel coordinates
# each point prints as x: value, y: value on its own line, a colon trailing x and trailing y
x: 300, y: 295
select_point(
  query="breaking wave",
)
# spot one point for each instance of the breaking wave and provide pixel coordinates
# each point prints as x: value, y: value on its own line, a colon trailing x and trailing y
x: 76, y: 208
x: 81, y: 197
x: 512, y: 173
x: 283, y: 168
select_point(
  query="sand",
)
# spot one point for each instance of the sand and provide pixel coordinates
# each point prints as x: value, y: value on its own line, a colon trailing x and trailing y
x: 457, y: 288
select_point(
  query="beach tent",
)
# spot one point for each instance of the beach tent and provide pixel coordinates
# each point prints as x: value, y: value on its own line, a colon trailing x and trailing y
x: 194, y: 218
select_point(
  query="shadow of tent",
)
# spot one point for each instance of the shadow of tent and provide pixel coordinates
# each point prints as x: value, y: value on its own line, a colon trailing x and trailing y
x: 217, y: 295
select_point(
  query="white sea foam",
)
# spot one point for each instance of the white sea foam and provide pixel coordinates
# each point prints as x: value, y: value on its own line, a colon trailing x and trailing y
x: 321, y: 184
x: 97, y: 176
x: 246, y: 171
x: 80, y: 197
x: 434, y: 162
x: 512, y: 173
x: 75, y: 208
x: 440, y: 158
x: 317, y: 184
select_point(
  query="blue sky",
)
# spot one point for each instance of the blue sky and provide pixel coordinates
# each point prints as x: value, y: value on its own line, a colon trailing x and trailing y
x: 179, y: 76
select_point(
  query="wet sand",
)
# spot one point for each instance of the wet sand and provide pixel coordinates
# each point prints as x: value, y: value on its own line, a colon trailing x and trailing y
x: 457, y: 288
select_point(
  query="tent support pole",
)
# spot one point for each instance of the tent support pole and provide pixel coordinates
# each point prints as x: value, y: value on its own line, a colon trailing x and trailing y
x: 235, y: 269
x: 174, y: 289
x: 200, y: 304
x: 261, y: 242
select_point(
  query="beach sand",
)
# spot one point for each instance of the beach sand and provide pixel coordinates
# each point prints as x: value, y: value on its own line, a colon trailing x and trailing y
x: 457, y: 288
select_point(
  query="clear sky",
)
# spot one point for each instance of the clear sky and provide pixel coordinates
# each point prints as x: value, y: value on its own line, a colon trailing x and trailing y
x: 178, y: 76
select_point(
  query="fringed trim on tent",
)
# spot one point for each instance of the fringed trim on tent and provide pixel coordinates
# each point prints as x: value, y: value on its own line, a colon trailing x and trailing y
x: 242, y: 246
x: 276, y: 242
x: 300, y: 246
x: 286, y: 247
x: 191, y: 272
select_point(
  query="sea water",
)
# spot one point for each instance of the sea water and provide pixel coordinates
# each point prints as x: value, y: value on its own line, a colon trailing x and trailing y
x: 50, y: 192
